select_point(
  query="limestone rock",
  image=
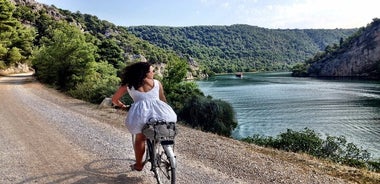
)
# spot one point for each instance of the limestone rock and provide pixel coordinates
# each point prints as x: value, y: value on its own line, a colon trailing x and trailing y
x: 360, y: 59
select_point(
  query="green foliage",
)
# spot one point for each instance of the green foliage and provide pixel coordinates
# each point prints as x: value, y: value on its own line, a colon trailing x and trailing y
x: 374, y: 165
x: 14, y: 56
x: 6, y: 10
x: 2, y: 65
x: 307, y: 141
x: 109, y: 51
x: 99, y: 83
x: 16, y: 41
x: 215, y: 116
x: 63, y: 60
x: 333, y: 148
x: 175, y: 72
x: 299, y: 70
x: 192, y: 107
x: 181, y: 92
x: 24, y: 13
x: 3, y: 53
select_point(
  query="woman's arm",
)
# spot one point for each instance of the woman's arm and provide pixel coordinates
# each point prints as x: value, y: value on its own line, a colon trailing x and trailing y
x: 161, y: 93
x: 117, y: 96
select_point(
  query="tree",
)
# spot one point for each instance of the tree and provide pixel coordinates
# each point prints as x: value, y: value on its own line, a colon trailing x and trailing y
x: 109, y: 51
x: 100, y: 82
x: 3, y: 52
x: 63, y: 60
x: 14, y: 56
x: 175, y: 72
x: 14, y: 37
x: 299, y: 70
x: 6, y: 10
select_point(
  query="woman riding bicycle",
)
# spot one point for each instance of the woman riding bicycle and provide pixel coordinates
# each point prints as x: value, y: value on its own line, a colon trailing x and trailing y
x: 149, y: 102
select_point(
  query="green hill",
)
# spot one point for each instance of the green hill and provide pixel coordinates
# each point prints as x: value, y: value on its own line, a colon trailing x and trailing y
x: 242, y: 47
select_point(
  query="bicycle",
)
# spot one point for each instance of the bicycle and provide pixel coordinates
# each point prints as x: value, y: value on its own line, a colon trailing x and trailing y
x: 160, y: 149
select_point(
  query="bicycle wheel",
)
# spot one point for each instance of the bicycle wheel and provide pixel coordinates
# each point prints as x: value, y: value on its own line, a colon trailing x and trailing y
x: 165, y: 165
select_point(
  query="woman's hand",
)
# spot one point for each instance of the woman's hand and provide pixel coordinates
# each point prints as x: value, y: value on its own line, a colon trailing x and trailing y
x: 123, y: 107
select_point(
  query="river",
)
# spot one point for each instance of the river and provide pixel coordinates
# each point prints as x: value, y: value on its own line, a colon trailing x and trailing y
x: 270, y: 103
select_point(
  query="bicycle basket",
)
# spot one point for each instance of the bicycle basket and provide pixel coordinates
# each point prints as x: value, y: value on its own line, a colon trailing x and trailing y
x: 159, y: 130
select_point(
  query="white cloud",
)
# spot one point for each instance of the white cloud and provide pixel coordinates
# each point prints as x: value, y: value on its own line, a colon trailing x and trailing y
x: 313, y: 14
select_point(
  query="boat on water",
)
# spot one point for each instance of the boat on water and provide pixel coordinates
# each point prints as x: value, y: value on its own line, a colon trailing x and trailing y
x: 240, y: 74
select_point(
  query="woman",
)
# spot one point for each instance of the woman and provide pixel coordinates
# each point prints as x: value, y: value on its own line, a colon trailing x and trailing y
x: 149, y: 102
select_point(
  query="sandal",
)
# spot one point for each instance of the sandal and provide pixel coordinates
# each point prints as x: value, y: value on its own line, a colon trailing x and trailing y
x: 133, y: 168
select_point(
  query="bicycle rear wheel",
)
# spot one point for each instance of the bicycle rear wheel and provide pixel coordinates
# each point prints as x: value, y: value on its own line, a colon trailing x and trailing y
x: 165, y: 170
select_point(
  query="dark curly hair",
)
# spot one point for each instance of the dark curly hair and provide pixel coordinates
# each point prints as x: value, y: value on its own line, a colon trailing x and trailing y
x: 134, y: 74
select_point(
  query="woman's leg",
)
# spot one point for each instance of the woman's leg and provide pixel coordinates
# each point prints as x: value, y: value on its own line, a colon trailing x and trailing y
x: 139, y: 151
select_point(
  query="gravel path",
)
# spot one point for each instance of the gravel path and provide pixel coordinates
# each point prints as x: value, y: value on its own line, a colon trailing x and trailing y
x: 47, y: 137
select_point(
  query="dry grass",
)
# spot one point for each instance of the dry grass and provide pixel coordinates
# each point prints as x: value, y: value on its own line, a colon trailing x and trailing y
x: 317, y: 165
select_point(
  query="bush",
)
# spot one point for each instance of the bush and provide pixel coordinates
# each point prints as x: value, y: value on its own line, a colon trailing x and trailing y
x: 215, y: 116
x: 374, y: 165
x: 307, y: 141
x: 332, y: 148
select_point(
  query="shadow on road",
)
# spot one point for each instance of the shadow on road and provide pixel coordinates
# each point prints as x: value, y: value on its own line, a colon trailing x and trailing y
x: 108, y: 171
x: 17, y: 79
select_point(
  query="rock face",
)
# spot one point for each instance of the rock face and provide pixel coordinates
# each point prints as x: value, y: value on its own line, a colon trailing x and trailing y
x: 360, y: 59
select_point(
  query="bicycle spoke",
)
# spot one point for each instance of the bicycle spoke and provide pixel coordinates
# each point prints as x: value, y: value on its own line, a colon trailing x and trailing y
x: 164, y: 171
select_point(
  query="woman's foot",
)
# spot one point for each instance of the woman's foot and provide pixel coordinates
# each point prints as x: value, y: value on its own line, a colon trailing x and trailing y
x: 135, y: 168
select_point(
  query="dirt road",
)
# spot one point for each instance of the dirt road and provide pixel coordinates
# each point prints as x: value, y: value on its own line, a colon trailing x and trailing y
x: 47, y: 137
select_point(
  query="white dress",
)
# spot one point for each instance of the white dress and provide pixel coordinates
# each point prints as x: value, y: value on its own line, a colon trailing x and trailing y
x: 147, y: 105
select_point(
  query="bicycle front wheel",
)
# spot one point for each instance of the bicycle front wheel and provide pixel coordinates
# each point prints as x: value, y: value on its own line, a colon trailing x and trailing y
x: 165, y: 170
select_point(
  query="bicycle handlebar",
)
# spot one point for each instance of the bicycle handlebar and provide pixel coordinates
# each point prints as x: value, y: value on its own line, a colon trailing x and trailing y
x: 123, y: 108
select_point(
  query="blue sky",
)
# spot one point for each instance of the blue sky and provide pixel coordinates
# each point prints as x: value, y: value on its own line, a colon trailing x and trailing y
x: 284, y: 14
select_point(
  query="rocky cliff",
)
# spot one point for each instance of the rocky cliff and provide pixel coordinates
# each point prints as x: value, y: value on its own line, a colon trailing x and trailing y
x: 359, y: 58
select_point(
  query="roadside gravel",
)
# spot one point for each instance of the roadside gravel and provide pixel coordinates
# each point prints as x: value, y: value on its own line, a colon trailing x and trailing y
x: 47, y: 137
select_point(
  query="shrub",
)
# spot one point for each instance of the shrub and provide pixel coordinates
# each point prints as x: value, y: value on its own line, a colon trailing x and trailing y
x: 374, y: 165
x: 307, y: 141
x: 215, y: 116
x: 332, y: 148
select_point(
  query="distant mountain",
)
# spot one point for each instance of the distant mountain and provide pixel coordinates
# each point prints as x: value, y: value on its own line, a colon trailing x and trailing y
x: 242, y: 47
x: 358, y: 56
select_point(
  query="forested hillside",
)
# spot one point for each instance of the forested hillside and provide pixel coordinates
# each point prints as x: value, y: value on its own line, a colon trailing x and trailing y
x: 72, y: 50
x: 242, y: 47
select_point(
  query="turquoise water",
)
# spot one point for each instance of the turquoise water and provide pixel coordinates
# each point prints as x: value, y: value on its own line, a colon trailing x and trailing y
x: 270, y: 103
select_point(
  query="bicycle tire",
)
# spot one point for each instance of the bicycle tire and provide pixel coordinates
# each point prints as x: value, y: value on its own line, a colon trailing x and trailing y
x: 165, y: 169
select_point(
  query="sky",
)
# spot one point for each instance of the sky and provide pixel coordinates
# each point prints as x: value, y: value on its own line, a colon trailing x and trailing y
x: 273, y: 14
